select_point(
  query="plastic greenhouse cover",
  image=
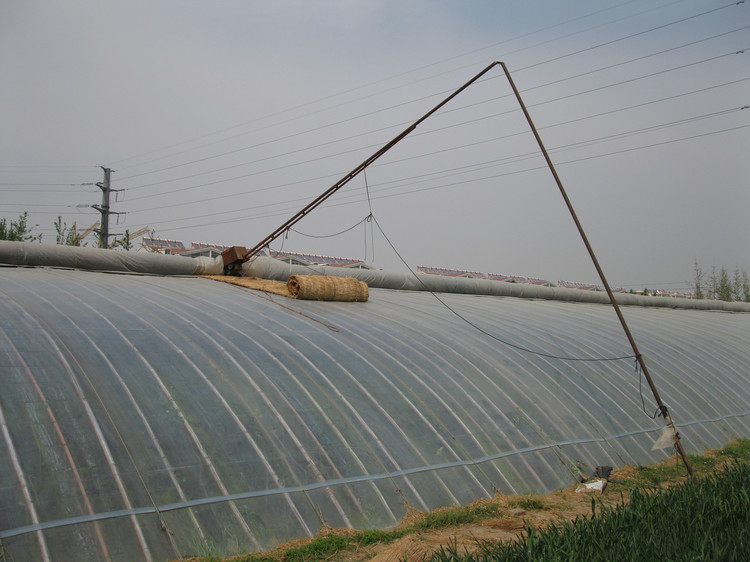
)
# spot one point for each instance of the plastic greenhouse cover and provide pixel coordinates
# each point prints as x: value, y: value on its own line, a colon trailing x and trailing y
x: 134, y: 405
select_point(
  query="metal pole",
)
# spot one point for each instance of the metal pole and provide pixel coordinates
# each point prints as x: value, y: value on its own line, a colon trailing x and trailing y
x: 662, y: 408
x: 343, y: 181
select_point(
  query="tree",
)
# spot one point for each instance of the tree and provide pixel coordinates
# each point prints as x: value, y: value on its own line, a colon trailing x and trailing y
x: 66, y: 236
x: 698, y: 279
x: 125, y: 243
x: 740, y: 285
x: 721, y: 285
x: 713, y: 283
x: 19, y: 230
x: 724, y: 289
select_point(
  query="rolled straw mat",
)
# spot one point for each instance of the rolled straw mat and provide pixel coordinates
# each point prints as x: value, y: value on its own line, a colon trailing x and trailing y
x: 325, y: 288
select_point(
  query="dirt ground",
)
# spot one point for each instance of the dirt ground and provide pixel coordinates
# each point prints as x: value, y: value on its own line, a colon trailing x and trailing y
x: 506, y: 526
x: 509, y: 523
x: 511, y: 512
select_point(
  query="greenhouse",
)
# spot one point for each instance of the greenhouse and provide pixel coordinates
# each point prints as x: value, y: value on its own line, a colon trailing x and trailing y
x: 155, y: 416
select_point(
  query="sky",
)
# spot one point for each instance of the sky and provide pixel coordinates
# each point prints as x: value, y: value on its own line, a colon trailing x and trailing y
x: 222, y: 119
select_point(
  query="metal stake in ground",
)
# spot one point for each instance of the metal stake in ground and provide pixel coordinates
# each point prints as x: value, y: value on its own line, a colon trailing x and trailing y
x: 662, y: 408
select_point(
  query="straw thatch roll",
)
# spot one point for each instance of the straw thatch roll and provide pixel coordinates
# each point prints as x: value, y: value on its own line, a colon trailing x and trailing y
x: 325, y: 288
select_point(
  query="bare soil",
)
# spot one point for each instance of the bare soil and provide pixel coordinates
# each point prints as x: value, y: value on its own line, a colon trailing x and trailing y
x: 507, y: 526
x: 513, y: 512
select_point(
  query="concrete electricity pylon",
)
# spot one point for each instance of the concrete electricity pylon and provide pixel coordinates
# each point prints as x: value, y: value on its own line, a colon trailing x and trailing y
x: 104, y: 207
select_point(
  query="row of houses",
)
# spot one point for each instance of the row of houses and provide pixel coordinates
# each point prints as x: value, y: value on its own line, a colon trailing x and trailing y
x: 479, y: 275
x: 448, y: 272
x: 199, y: 249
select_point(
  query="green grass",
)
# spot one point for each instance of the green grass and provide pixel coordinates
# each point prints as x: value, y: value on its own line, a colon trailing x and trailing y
x: 326, y: 547
x: 454, y: 516
x: 322, y: 547
x: 708, y: 519
x: 651, y: 476
x: 655, y: 475
x: 739, y: 449
x: 643, y: 490
x: 529, y: 503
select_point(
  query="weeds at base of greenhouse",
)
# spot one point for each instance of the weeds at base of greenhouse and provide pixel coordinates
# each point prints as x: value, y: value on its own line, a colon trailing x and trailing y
x: 348, y: 544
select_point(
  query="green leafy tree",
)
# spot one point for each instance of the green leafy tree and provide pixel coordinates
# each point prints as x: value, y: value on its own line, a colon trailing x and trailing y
x: 737, y: 285
x: 724, y: 288
x: 19, y: 230
x: 713, y: 282
x: 721, y: 285
x: 740, y: 285
x: 699, y: 280
x: 125, y: 242
x: 64, y: 235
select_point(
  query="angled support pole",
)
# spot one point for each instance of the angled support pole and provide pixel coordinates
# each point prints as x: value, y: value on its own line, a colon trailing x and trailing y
x: 662, y: 407
x: 232, y: 259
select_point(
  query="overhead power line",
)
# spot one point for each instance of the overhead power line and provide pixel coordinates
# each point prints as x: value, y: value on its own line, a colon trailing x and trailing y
x: 268, y: 158
x: 631, y: 36
x: 607, y: 43
x: 494, y: 139
x: 43, y: 184
x: 380, y: 81
x: 377, y: 194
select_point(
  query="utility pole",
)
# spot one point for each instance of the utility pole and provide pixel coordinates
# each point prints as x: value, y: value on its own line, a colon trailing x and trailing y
x: 104, y: 207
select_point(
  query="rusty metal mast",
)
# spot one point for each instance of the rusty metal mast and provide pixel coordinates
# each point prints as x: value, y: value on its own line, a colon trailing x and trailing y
x: 662, y: 408
x: 348, y: 177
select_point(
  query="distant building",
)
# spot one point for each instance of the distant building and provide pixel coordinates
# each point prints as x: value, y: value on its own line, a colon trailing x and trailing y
x: 163, y: 246
x: 203, y: 249
x: 446, y: 272
x: 296, y: 258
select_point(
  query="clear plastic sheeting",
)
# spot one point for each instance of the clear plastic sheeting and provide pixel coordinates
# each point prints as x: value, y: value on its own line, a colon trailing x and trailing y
x: 148, y: 418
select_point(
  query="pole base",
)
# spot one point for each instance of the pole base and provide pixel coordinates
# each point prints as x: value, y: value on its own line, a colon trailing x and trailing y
x: 233, y: 258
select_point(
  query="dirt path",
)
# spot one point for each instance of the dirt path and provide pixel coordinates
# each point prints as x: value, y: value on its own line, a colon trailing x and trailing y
x: 511, y: 513
x: 506, y: 526
x: 505, y: 519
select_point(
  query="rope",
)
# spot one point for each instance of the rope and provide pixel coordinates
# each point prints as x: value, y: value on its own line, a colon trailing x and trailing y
x: 485, y: 332
x: 369, y: 219
x: 367, y: 190
x: 330, y: 235
x: 659, y: 410
x: 329, y: 326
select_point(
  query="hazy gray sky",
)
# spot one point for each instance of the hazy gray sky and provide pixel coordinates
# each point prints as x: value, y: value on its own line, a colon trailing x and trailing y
x: 222, y: 119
